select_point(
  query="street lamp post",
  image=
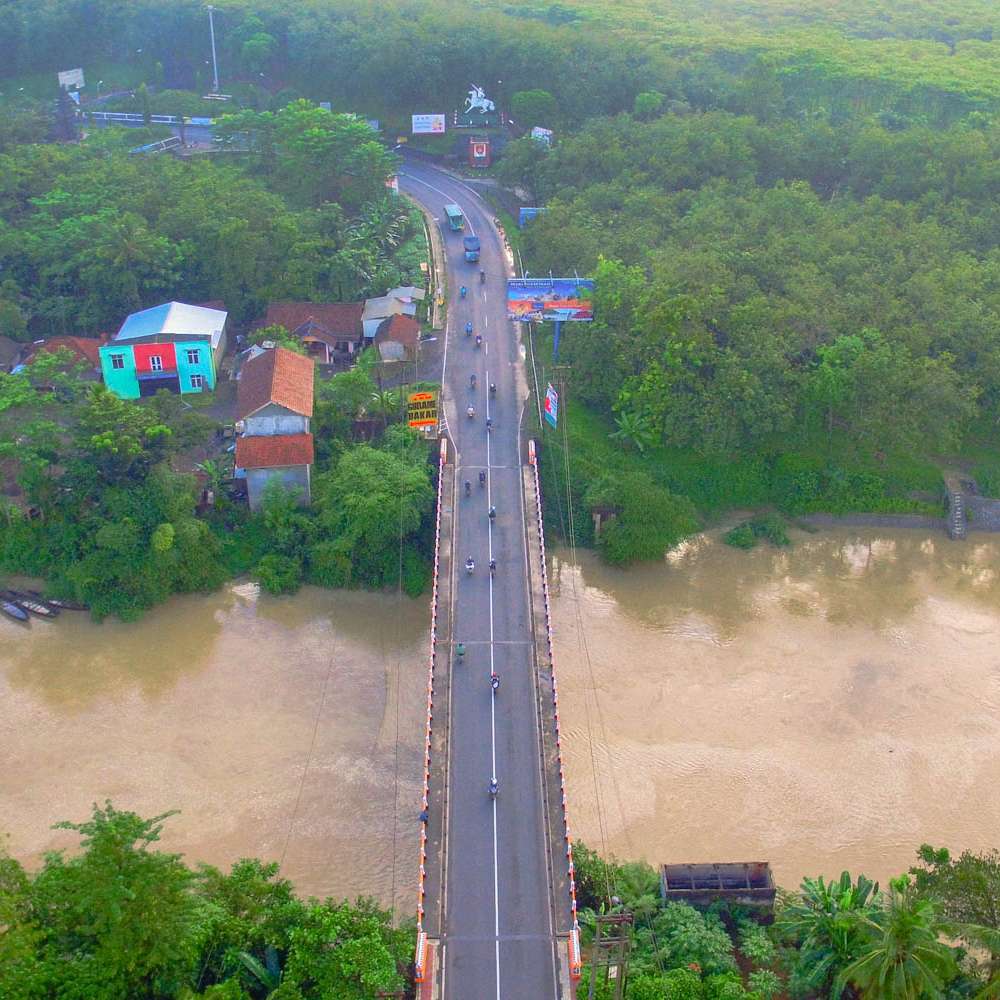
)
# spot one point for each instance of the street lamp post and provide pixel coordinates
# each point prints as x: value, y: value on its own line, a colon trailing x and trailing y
x: 215, y: 64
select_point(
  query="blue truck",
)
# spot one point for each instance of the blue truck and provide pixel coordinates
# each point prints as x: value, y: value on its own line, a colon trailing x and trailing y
x: 471, y: 244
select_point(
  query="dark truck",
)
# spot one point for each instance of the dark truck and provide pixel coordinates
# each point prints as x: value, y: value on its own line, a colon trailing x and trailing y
x: 471, y: 244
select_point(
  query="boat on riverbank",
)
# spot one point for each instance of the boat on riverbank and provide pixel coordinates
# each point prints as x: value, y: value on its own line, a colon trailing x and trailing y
x: 13, y: 610
x: 32, y: 605
x: 57, y: 603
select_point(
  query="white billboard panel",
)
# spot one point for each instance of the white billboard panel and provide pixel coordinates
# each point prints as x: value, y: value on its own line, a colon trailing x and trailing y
x: 428, y: 125
x: 70, y: 79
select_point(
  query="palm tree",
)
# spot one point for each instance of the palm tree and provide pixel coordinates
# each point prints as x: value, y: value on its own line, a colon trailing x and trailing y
x: 824, y: 919
x: 903, y: 957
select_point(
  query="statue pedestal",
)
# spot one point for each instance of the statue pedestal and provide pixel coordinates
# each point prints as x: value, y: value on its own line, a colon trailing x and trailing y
x: 476, y: 119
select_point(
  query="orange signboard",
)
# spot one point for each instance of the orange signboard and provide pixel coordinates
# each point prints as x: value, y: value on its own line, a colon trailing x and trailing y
x: 422, y: 409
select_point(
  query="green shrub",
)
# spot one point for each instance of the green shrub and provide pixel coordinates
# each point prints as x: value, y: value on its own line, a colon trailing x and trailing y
x: 740, y: 537
x: 765, y: 983
x: 987, y: 478
x: 688, y: 938
x: 279, y: 574
x: 724, y: 986
x: 771, y: 527
x: 649, y: 519
x: 756, y: 944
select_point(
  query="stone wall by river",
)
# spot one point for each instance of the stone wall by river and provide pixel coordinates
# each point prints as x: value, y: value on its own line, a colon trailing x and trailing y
x: 823, y: 707
x: 270, y: 723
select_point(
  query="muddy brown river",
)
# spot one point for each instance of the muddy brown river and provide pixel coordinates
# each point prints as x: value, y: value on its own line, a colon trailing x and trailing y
x: 271, y: 723
x: 823, y: 707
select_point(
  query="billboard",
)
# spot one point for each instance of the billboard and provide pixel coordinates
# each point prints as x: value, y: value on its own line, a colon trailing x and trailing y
x: 427, y: 124
x: 70, y: 78
x: 551, y: 405
x: 422, y: 409
x: 526, y: 213
x: 542, y: 135
x: 537, y: 300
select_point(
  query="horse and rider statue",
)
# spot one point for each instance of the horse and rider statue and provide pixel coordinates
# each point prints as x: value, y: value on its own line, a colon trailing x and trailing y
x: 478, y: 101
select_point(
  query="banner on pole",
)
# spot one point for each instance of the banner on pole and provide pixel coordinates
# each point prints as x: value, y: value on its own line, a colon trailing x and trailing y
x: 422, y: 409
x: 551, y: 405
x: 70, y: 79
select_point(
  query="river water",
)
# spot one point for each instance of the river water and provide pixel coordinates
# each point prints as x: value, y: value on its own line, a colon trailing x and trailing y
x: 271, y: 723
x: 827, y: 706
x: 823, y: 707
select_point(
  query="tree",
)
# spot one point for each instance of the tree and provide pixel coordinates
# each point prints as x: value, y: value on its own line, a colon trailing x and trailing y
x: 902, y: 956
x: 824, y: 920
x: 278, y: 336
x: 533, y: 107
x: 118, y: 919
x: 648, y: 104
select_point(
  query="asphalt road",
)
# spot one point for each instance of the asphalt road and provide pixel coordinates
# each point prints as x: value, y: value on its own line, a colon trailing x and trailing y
x: 498, y: 940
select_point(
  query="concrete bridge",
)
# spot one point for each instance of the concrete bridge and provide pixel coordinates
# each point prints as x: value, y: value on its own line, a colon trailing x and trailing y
x: 496, y: 908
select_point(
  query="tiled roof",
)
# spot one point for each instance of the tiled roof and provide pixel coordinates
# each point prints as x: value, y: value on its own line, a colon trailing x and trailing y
x: 83, y: 348
x: 402, y: 329
x: 279, y: 376
x: 342, y: 318
x: 274, y: 451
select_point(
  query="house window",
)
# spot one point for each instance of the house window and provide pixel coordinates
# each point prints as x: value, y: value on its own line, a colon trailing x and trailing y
x: 155, y: 363
x: 193, y: 357
x: 117, y: 361
x: 197, y: 381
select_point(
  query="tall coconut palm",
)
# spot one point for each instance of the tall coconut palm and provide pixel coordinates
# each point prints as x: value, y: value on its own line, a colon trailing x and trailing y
x: 903, y: 956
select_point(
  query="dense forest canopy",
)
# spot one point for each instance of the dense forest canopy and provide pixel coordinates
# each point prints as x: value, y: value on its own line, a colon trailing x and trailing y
x: 925, y: 59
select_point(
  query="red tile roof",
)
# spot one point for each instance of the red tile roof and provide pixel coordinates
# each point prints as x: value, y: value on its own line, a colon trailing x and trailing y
x: 281, y: 377
x: 274, y: 451
x: 83, y: 348
x: 342, y: 318
x: 403, y: 329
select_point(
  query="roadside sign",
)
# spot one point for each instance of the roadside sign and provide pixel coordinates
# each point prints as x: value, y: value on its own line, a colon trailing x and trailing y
x: 422, y: 409
x: 551, y: 405
x: 427, y: 124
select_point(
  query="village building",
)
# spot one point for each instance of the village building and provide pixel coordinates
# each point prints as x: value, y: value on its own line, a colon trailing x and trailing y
x: 274, y: 406
x: 396, y: 302
x: 398, y: 339
x: 331, y: 331
x: 85, y: 352
x: 173, y: 346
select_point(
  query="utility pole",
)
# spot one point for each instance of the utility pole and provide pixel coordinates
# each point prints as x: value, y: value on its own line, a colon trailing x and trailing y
x: 215, y: 64
x: 609, y: 953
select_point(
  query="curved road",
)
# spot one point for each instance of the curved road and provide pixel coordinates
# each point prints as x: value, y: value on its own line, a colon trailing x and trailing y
x: 497, y: 932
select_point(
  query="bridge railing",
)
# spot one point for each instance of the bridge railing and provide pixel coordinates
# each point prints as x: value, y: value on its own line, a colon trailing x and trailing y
x: 575, y: 960
x: 420, y: 958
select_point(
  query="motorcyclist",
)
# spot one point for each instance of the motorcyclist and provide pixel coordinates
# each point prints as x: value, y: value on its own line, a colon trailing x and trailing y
x: 472, y: 381
x: 489, y: 423
x: 470, y: 565
x: 468, y: 487
x: 493, y: 567
x: 468, y: 328
x: 482, y: 277
x: 493, y: 513
x: 482, y: 477
x: 463, y: 290
x: 471, y: 412
x: 493, y: 388
x: 479, y: 340
x: 460, y: 649
x: 495, y: 681
x: 494, y: 787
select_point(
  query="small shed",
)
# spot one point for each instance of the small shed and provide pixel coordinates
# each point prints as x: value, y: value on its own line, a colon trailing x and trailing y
x: 749, y: 883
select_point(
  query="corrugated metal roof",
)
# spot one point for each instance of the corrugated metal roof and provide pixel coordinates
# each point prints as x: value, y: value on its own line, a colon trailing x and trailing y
x: 176, y: 318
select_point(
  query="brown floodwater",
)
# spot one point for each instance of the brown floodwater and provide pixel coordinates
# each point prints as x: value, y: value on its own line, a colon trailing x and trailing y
x: 828, y: 706
x: 272, y: 724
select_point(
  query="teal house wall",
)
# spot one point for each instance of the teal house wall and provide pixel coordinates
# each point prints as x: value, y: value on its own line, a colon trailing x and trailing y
x: 123, y: 382
x: 205, y: 365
